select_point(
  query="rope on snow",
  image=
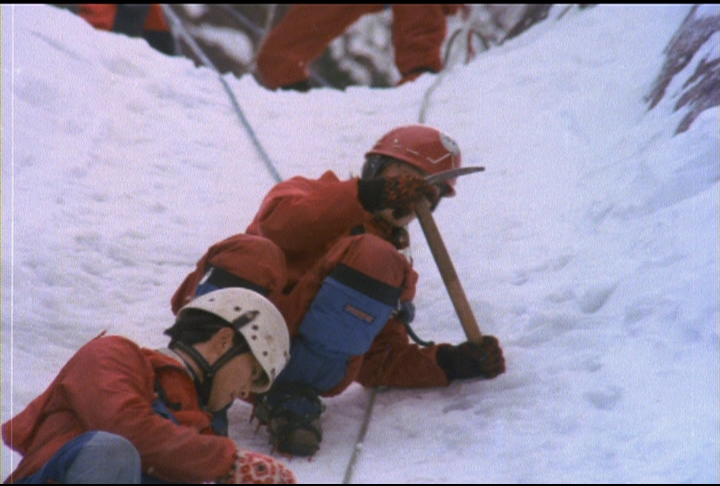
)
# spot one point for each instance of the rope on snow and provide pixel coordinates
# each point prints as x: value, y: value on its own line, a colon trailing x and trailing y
x: 464, y: 32
x: 361, y: 438
x: 180, y: 29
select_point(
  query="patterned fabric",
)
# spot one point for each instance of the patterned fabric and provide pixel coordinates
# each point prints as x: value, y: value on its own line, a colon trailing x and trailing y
x: 254, y: 468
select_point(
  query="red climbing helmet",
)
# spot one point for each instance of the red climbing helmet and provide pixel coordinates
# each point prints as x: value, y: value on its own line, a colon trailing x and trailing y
x: 422, y: 146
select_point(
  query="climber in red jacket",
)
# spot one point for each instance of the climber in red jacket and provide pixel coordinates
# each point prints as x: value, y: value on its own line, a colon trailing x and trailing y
x: 348, y: 295
x: 118, y: 413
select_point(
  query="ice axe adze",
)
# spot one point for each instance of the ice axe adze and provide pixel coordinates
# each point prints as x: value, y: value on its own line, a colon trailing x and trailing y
x: 442, y: 257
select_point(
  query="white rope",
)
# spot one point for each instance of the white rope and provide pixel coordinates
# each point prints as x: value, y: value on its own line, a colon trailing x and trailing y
x: 448, y: 62
x: 180, y: 29
x: 360, y: 442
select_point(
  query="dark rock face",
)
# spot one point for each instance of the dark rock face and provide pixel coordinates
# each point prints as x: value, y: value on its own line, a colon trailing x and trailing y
x: 698, y: 40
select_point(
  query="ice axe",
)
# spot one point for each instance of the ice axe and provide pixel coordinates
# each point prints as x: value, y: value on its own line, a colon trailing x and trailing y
x: 442, y: 257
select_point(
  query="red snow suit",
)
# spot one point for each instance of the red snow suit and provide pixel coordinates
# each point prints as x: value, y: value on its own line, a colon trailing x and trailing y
x: 311, y: 221
x: 102, y: 16
x: 305, y: 31
x: 109, y: 385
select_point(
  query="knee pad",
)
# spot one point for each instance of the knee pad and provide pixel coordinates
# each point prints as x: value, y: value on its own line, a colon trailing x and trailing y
x: 101, y: 458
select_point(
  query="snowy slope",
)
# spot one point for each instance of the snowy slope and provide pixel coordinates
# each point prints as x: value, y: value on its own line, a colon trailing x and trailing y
x: 589, y: 246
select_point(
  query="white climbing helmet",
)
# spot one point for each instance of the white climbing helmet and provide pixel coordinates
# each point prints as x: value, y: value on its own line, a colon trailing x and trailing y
x: 257, y: 320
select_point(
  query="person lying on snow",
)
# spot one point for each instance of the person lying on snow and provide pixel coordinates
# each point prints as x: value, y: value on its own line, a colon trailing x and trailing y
x: 348, y: 295
x: 118, y: 413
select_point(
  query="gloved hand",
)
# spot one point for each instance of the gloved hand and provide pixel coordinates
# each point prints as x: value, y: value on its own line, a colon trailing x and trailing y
x: 470, y: 360
x: 255, y: 468
x: 399, y: 193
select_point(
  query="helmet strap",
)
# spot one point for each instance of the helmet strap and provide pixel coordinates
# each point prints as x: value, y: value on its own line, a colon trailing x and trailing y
x: 204, y: 385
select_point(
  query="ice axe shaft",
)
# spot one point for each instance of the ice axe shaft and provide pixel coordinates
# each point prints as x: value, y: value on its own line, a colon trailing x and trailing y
x: 448, y: 273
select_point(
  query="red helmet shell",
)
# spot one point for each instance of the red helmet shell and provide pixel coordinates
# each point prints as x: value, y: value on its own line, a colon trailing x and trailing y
x: 422, y: 146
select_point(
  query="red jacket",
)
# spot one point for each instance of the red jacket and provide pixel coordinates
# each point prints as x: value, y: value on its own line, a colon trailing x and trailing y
x: 108, y: 385
x: 307, y: 219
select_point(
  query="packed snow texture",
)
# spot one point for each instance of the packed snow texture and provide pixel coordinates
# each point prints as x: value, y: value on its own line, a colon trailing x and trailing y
x: 589, y: 246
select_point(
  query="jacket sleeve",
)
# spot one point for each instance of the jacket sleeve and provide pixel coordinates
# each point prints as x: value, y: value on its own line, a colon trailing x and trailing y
x: 110, y: 386
x: 393, y: 361
x: 301, y: 215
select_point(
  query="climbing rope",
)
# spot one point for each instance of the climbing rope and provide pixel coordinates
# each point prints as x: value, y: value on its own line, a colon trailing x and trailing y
x: 359, y: 443
x: 179, y: 28
x: 463, y: 33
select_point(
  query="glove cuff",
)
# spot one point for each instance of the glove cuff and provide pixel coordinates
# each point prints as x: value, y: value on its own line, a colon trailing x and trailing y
x: 444, y: 358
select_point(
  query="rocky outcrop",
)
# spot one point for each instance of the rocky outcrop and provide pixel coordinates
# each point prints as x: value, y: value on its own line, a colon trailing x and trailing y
x: 692, y: 62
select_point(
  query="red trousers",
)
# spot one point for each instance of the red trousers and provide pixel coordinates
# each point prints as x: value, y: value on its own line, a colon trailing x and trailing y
x: 306, y: 30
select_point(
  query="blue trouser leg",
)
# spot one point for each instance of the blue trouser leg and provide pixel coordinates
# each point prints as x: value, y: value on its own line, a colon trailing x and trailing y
x: 344, y: 318
x: 91, y: 458
x: 350, y: 309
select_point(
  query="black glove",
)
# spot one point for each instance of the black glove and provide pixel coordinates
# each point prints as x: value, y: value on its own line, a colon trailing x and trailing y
x: 470, y: 360
x: 399, y: 193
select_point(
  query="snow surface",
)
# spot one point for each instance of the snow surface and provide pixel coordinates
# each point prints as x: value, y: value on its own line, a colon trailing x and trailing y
x: 589, y: 246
